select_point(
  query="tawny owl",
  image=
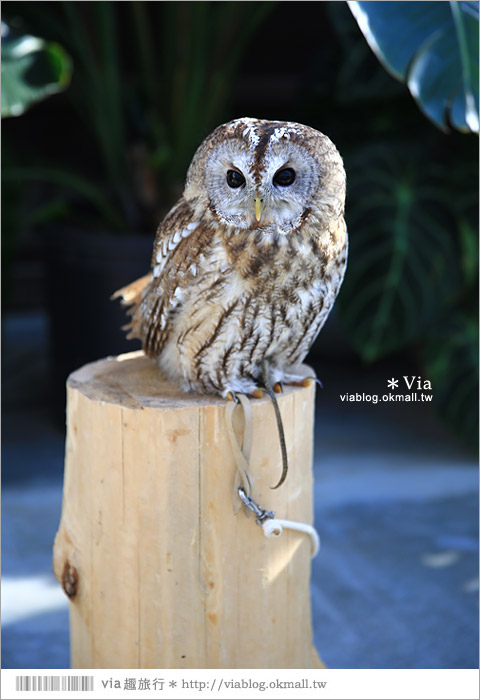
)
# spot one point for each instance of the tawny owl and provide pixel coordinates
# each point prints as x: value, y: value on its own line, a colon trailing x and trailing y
x: 247, y: 265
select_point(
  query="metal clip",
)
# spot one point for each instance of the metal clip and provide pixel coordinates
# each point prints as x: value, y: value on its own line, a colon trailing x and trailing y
x: 261, y: 514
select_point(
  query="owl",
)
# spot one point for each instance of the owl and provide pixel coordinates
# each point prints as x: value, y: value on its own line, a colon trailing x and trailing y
x: 248, y: 263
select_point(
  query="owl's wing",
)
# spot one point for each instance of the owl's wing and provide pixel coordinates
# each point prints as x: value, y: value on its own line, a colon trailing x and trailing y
x: 155, y: 298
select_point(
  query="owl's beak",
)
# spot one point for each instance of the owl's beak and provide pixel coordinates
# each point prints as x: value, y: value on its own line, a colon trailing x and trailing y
x: 258, y: 208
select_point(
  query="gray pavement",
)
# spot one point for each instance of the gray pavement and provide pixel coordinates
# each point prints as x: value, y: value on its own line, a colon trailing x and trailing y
x: 396, y: 503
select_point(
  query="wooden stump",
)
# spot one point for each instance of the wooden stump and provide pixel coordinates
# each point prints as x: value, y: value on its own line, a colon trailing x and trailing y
x: 159, y: 571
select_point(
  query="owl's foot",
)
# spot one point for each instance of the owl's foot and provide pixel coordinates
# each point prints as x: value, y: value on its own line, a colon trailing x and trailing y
x: 278, y: 387
x: 257, y: 393
x: 306, y: 381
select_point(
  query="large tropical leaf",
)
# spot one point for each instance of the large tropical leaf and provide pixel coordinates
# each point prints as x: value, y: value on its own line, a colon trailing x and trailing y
x: 450, y: 357
x: 32, y: 69
x: 433, y: 47
x: 403, y: 260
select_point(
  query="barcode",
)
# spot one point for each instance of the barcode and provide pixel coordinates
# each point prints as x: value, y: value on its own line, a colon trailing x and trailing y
x: 51, y: 683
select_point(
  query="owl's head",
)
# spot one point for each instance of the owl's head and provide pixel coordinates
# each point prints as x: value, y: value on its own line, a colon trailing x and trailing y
x: 259, y: 174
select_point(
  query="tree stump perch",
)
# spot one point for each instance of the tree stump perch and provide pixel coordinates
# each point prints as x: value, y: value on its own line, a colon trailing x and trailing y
x: 159, y: 571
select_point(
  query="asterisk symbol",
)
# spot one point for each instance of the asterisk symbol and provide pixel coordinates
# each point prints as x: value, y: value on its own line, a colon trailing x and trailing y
x: 172, y: 684
x: 392, y: 383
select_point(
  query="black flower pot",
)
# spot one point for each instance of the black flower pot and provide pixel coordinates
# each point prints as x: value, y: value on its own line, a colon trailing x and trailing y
x: 83, y: 269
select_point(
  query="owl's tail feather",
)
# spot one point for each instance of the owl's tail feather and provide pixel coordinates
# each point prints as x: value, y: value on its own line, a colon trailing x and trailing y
x: 131, y: 293
x: 131, y: 296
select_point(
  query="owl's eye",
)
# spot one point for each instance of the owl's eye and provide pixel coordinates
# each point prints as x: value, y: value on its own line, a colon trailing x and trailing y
x: 235, y: 179
x: 284, y: 177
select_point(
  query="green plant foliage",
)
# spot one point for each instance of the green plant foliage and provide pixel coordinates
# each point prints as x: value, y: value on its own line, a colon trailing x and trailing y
x: 433, y: 47
x: 359, y: 78
x: 462, y: 192
x: 32, y: 69
x: 402, y: 260
x: 412, y: 213
x: 147, y: 97
x: 152, y: 79
x: 65, y: 178
x: 450, y: 356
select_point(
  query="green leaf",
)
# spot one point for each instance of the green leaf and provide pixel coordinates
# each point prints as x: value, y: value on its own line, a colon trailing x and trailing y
x: 403, y: 260
x: 450, y: 358
x: 433, y: 47
x: 468, y: 237
x: 32, y: 69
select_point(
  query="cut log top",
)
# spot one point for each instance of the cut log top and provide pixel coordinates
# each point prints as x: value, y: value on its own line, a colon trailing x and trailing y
x: 133, y: 380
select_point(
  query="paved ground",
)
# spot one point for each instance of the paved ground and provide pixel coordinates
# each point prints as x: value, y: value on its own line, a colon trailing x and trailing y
x: 396, y: 582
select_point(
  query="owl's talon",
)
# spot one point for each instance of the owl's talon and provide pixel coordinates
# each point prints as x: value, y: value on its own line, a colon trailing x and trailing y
x: 257, y: 393
x: 306, y: 381
x: 231, y: 397
x: 278, y: 388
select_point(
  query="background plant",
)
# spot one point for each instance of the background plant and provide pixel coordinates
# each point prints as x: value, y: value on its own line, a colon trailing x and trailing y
x: 151, y: 79
x: 32, y: 69
x: 146, y: 98
x: 413, y: 275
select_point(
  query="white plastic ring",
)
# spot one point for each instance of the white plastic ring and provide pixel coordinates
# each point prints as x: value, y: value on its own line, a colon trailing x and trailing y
x: 273, y: 527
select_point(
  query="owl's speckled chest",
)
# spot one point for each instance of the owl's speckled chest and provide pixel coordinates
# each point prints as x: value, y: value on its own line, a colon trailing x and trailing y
x: 252, y: 298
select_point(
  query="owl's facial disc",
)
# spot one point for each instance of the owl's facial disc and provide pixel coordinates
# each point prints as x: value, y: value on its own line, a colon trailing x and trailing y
x: 228, y: 183
x: 289, y: 181
x: 249, y: 190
